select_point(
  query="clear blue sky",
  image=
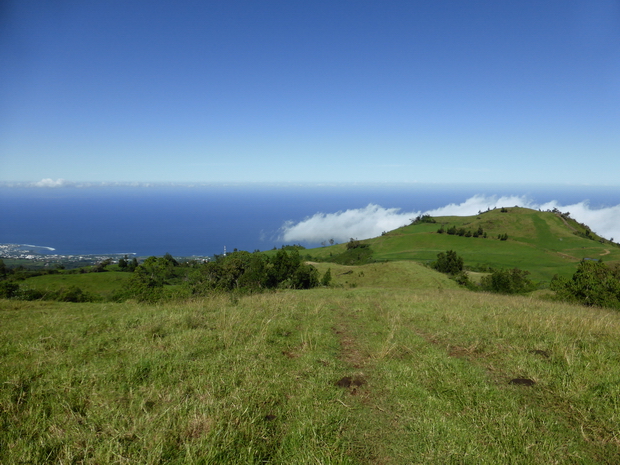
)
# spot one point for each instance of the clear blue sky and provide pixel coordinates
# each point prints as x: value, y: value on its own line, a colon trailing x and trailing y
x: 310, y: 91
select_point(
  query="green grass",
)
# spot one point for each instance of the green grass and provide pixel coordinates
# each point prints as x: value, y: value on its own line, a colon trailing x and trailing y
x: 392, y: 365
x: 105, y: 283
x: 387, y: 275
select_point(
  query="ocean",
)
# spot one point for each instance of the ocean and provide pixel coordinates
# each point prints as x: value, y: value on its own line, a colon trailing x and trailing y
x: 202, y: 220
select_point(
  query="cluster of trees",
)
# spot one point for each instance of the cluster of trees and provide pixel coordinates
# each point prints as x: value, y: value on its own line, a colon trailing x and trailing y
x: 454, y: 231
x: 124, y: 264
x: 423, y: 219
x: 238, y: 271
x: 164, y: 277
x: 593, y: 284
x: 355, y: 244
x: 513, y: 281
x: 448, y: 262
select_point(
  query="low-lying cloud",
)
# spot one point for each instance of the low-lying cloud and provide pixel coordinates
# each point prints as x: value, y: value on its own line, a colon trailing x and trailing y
x: 49, y: 182
x: 372, y: 220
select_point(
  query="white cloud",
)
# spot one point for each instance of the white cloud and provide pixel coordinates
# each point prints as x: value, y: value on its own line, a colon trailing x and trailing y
x: 359, y: 223
x: 371, y: 221
x: 49, y: 182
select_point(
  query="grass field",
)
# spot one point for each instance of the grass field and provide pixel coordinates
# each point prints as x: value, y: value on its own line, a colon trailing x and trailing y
x: 393, y: 365
x: 104, y: 284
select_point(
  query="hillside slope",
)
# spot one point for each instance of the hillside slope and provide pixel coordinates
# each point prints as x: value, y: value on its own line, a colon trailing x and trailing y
x: 543, y: 243
x: 340, y: 376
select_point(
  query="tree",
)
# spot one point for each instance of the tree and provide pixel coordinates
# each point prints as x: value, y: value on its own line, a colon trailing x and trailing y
x: 423, y: 219
x: 513, y: 281
x: 327, y: 278
x: 170, y: 259
x: 448, y: 262
x: 305, y: 277
x: 593, y: 284
x: 100, y: 267
x: 148, y: 279
x: 8, y: 289
x: 133, y: 265
x: 355, y: 244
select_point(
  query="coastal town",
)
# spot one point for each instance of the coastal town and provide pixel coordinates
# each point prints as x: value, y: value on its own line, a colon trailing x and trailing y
x: 46, y: 256
x: 33, y: 256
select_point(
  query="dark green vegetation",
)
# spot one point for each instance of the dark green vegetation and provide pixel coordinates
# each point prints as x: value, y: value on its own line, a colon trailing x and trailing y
x: 239, y: 271
x: 164, y: 278
x: 386, y: 362
x: 594, y: 284
x: 449, y: 263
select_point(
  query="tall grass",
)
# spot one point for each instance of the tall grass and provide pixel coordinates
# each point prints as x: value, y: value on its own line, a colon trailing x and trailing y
x: 344, y: 375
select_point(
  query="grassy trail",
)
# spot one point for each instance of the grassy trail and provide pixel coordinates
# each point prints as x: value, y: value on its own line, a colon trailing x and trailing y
x: 444, y: 392
x: 368, y: 376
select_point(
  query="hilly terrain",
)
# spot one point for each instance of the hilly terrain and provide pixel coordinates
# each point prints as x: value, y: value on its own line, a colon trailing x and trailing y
x: 543, y: 243
x: 391, y: 363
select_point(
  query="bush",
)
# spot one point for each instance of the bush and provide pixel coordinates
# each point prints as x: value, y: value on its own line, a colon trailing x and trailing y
x: 448, y: 262
x: 513, y: 281
x: 354, y: 256
x: 327, y: 278
x: 593, y: 284
x: 353, y: 244
x: 8, y: 289
x: 72, y: 294
x: 423, y: 219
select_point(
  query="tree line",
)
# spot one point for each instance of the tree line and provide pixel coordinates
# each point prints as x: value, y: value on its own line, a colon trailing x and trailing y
x: 164, y: 277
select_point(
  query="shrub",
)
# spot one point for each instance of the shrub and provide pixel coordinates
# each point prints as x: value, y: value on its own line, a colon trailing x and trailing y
x: 72, y: 294
x: 327, y: 278
x: 593, y: 284
x: 513, y: 281
x: 423, y: 219
x: 8, y: 289
x: 448, y: 262
x: 354, y: 256
x: 354, y: 244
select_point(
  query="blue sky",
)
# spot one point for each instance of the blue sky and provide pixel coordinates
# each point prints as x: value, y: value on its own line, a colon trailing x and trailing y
x: 316, y: 91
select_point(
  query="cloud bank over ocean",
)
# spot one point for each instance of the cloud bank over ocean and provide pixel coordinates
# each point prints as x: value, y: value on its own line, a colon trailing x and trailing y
x: 372, y: 220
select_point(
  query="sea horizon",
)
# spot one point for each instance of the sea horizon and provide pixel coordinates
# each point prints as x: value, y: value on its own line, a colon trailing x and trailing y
x: 200, y: 219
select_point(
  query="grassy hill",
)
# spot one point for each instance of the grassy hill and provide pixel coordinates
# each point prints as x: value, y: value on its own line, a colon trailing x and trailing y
x: 543, y: 243
x: 394, y: 363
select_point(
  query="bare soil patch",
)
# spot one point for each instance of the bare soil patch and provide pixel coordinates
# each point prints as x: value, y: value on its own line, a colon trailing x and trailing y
x: 351, y: 381
x: 522, y: 382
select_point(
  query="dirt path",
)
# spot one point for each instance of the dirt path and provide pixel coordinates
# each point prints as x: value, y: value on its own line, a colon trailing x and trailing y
x: 357, y: 382
x: 605, y: 252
